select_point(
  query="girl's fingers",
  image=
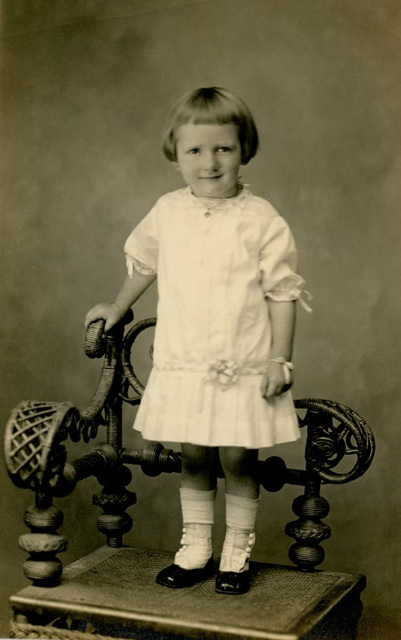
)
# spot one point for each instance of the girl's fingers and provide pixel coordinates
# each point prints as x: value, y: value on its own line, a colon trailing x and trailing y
x: 109, y: 325
x: 91, y: 316
x: 108, y: 312
x: 268, y: 388
x: 271, y: 388
x: 88, y: 319
x: 263, y: 385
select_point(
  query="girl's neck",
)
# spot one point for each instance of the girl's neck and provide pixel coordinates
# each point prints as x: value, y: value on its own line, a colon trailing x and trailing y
x: 239, y: 187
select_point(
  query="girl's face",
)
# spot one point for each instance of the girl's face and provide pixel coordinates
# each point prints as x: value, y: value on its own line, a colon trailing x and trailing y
x: 209, y: 158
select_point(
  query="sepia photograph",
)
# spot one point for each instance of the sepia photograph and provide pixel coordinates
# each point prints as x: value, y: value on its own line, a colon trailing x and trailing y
x: 200, y: 253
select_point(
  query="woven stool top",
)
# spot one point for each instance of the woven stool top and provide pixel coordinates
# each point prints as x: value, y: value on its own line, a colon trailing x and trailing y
x: 118, y: 585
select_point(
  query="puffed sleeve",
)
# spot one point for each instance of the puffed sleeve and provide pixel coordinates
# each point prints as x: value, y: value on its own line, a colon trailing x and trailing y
x: 278, y: 263
x: 142, y: 246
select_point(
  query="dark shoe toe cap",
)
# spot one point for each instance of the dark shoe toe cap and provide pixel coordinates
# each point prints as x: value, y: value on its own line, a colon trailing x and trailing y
x: 177, y: 578
x: 231, y: 582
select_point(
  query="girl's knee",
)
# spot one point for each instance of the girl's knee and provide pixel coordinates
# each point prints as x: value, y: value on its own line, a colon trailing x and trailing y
x: 195, y: 459
x: 238, y: 459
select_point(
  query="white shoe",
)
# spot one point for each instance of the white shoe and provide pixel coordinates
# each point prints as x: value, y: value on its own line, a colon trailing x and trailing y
x: 196, y: 549
x: 237, y: 548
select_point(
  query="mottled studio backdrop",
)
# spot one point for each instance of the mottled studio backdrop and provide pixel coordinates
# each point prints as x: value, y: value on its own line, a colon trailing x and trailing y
x: 86, y: 87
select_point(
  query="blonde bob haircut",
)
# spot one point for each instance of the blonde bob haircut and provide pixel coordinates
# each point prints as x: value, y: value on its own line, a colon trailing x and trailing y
x: 212, y: 105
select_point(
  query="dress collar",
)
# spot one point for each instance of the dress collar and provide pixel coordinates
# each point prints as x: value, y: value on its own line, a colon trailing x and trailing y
x: 225, y: 202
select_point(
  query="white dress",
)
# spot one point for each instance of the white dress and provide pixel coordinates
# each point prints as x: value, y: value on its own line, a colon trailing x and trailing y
x: 216, y: 271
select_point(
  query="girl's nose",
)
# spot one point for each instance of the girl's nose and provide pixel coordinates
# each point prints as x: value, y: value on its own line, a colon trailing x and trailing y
x: 211, y: 161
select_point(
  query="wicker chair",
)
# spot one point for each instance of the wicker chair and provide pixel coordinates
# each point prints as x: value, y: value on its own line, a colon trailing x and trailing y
x: 112, y: 592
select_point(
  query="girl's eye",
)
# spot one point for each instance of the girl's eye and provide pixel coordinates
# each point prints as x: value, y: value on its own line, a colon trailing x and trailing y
x: 225, y: 149
x: 194, y: 151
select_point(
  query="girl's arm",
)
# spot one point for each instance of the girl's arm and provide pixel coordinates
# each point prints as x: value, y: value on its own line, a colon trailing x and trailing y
x: 282, y: 319
x: 129, y: 293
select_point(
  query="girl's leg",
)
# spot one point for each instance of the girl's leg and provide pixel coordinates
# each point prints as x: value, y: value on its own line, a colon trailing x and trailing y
x: 199, y: 467
x: 242, y: 500
x: 193, y: 561
x: 240, y: 471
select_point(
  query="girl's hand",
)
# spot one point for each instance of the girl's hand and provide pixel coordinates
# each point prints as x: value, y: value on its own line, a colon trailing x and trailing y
x: 274, y: 381
x: 112, y: 313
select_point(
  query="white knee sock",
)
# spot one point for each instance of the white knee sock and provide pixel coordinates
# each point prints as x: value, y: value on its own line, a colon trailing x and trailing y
x: 198, y: 517
x: 240, y: 533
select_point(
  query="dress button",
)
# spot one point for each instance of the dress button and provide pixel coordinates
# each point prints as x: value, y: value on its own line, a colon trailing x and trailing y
x: 207, y: 214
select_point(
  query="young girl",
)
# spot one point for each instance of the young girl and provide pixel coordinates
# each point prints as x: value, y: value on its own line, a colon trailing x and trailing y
x: 227, y: 288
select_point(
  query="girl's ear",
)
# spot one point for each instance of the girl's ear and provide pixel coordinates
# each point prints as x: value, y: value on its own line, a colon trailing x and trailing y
x: 176, y: 166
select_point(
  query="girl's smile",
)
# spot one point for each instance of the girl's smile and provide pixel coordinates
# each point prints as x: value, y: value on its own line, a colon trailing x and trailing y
x: 209, y: 158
